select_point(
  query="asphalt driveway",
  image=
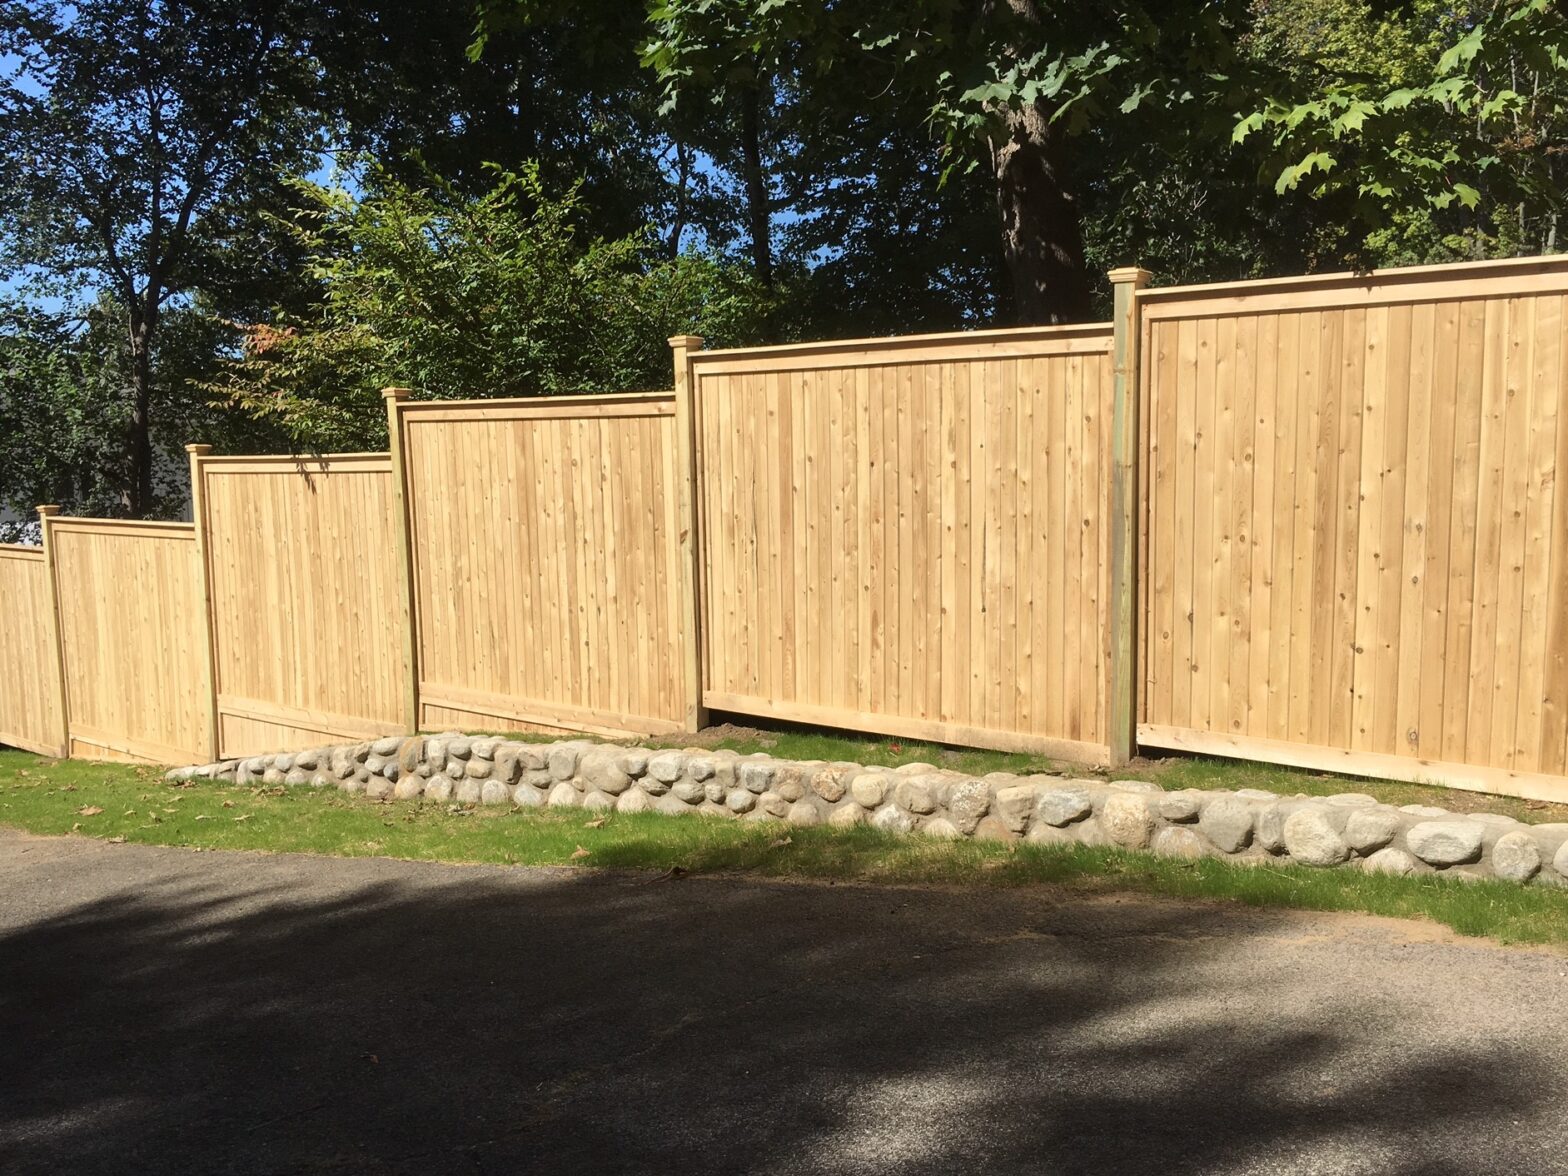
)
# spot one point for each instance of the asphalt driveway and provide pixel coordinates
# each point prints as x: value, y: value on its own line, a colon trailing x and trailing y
x: 172, y: 1011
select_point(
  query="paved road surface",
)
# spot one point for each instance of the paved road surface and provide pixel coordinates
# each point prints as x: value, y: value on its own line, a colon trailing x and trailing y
x: 170, y: 1011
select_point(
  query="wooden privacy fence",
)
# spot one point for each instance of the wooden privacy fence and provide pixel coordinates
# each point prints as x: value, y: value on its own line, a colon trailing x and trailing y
x: 1316, y: 521
x: 1357, y: 523
x: 313, y: 542
x: 910, y: 536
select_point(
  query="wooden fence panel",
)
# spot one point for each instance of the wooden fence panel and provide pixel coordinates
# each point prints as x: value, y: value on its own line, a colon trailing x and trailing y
x: 546, y: 563
x: 1357, y: 514
x: 131, y: 629
x: 304, y: 571
x: 30, y: 685
x: 911, y: 536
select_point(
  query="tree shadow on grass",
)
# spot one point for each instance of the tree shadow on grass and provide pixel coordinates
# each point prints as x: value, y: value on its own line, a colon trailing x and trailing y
x: 196, y: 1013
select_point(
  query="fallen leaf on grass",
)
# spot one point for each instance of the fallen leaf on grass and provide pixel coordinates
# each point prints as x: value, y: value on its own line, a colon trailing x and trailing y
x: 88, y: 810
x: 128, y: 813
x: 596, y: 823
x: 117, y: 841
x: 780, y: 843
x: 228, y: 804
x: 581, y: 853
x: 245, y: 817
x: 203, y: 817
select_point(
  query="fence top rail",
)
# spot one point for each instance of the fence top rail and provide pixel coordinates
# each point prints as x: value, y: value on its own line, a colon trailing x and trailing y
x: 1074, y: 337
x: 609, y: 404
x: 1477, y: 279
x: 21, y: 551
x: 285, y: 462
x: 152, y: 529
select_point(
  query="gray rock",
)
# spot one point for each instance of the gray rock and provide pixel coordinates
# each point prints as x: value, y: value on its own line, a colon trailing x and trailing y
x: 272, y: 778
x: 390, y: 771
x: 562, y: 763
x: 1063, y: 806
x: 832, y: 782
x: 506, y: 767
x: 967, y: 802
x: 941, y: 828
x: 991, y: 829
x: 805, y: 814
x: 740, y: 801
x: 468, y: 791
x: 755, y: 775
x: 1560, y: 861
x: 687, y: 791
x: 408, y: 788
x: 454, y: 769
x: 1139, y: 786
x: 379, y: 788
x: 341, y: 762
x: 789, y: 782
x: 1227, y: 823
x: 439, y: 790
x: 598, y: 801
x: 772, y: 804
x: 1352, y: 800
x: 353, y: 784
x: 494, y: 792
x: 1180, y: 807
x: 1268, y: 829
x: 524, y: 796
x: 477, y: 769
x: 1390, y: 861
x: 1012, y: 806
x: 459, y: 747
x: 1423, y: 810
x: 601, y: 769
x: 915, y: 794
x: 1127, y: 820
x: 435, y: 755
x: 713, y: 791
x: 485, y: 748
x: 671, y: 807
x: 319, y: 780
x: 847, y: 816
x: 667, y: 767
x: 892, y: 819
x: 295, y: 777
x: 1516, y: 857
x: 410, y: 754
x: 374, y: 764
x: 533, y: 757
x: 1256, y: 794
x: 1312, y: 841
x: 1370, y: 829
x: 700, y: 768
x: 361, y: 752
x: 1043, y: 834
x: 563, y: 795
x: 633, y: 800
x: 387, y: 745
x: 1445, y: 843
x: 1178, y: 841
x: 869, y: 788
x: 635, y: 763
x: 284, y: 763
x: 308, y: 760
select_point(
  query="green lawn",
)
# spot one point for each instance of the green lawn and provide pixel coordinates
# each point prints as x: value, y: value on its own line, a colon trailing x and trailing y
x: 134, y: 804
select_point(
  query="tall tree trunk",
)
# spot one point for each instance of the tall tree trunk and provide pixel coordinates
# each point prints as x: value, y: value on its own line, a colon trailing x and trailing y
x: 139, y: 433
x: 1042, y: 230
x: 758, y: 215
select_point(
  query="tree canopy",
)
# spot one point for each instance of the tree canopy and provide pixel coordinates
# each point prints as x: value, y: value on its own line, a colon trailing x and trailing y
x: 236, y: 222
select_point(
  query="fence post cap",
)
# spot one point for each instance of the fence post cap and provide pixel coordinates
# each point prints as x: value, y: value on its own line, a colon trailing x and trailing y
x: 198, y: 450
x: 689, y: 342
x: 397, y: 393
x: 46, y: 511
x: 1135, y: 274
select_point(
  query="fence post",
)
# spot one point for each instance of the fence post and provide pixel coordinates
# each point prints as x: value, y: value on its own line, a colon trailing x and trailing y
x: 45, y: 513
x: 1126, y: 443
x: 405, y: 542
x: 690, y: 569
x: 209, y: 631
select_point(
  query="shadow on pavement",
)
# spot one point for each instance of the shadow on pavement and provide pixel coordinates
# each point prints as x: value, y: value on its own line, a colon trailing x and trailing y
x: 377, y: 1017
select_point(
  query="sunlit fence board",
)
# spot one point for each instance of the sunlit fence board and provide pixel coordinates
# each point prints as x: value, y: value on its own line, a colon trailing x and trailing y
x: 545, y: 558
x: 131, y: 628
x: 304, y: 571
x: 29, y: 666
x: 1357, y: 521
x: 910, y: 536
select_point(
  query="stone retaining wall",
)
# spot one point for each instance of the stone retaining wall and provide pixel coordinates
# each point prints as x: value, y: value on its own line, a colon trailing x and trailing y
x: 1246, y: 825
